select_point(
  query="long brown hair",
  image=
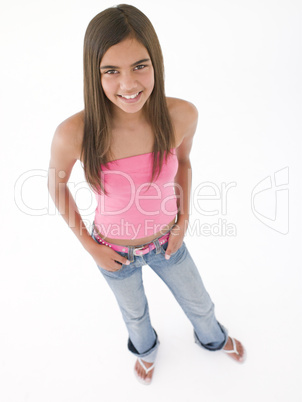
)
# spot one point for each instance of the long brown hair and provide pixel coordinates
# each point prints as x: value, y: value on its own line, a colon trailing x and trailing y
x: 106, y: 29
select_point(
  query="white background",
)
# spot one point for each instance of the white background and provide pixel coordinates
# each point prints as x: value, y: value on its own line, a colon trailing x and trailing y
x: 61, y: 334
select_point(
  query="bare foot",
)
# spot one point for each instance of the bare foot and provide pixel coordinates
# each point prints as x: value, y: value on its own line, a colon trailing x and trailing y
x: 235, y: 349
x: 140, y: 371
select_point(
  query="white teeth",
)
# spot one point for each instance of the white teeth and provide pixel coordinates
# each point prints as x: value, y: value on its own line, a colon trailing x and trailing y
x: 130, y: 97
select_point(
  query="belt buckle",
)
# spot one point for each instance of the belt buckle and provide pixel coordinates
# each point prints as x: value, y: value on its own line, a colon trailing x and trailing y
x: 138, y: 249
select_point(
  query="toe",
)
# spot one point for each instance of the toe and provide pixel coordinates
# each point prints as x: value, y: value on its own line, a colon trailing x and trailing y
x: 147, y: 377
x: 240, y: 355
x: 139, y: 370
x: 241, y: 351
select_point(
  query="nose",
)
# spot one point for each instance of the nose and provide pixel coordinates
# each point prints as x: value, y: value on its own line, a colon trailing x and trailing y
x: 127, y: 82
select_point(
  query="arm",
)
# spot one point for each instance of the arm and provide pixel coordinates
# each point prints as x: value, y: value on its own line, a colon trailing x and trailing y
x: 187, y: 123
x: 64, y: 154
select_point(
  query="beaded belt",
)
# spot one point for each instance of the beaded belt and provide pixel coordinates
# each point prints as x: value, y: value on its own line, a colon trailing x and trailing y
x: 137, y: 250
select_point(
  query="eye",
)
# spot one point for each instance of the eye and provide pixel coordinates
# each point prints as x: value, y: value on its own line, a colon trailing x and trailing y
x: 111, y: 72
x: 140, y: 67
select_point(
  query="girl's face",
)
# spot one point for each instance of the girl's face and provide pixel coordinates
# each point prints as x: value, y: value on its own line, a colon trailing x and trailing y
x: 127, y: 75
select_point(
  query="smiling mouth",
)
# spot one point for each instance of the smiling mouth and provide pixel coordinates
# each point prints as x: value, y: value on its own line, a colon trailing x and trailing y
x: 130, y: 96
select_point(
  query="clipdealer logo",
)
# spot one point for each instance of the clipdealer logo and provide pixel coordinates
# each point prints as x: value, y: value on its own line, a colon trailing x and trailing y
x: 270, y: 201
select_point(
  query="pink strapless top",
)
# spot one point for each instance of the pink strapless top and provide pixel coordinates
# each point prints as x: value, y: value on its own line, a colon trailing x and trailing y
x: 133, y: 207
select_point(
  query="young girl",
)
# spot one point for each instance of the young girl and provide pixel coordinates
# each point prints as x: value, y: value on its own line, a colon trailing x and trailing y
x: 134, y: 144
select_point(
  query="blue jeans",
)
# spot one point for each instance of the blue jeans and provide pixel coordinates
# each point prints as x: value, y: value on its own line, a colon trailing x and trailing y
x: 181, y: 276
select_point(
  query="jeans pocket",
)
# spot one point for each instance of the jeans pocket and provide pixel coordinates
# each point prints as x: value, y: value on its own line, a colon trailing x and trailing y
x: 119, y: 273
x: 112, y: 274
x: 104, y: 271
x: 165, y: 246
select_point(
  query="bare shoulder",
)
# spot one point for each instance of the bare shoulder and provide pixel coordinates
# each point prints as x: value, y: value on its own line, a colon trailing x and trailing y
x: 177, y: 106
x: 68, y: 135
x: 184, y: 117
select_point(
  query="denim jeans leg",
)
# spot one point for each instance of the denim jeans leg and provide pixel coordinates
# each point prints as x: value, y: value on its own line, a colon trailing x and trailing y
x: 132, y: 301
x: 127, y: 286
x: 182, y: 277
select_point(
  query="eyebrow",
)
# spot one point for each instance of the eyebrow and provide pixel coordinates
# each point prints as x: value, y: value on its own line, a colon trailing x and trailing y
x: 132, y: 65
